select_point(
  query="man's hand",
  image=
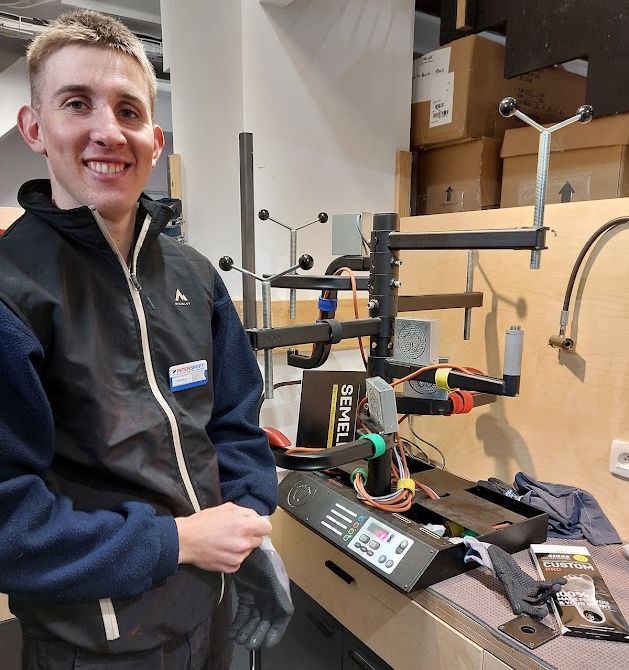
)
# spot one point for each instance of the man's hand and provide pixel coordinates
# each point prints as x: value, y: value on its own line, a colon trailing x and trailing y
x: 220, y: 538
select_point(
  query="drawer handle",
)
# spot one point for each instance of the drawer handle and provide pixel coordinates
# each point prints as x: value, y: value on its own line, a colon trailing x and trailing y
x: 360, y: 660
x: 339, y: 572
x: 317, y: 623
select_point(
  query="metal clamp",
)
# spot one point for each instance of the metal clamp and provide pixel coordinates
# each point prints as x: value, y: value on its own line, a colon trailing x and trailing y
x: 305, y: 263
x: 509, y: 107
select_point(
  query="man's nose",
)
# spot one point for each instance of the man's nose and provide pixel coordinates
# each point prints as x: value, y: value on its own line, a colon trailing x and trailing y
x: 106, y: 129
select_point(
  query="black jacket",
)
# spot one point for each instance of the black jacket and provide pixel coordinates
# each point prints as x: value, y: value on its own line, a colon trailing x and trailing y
x: 122, y: 436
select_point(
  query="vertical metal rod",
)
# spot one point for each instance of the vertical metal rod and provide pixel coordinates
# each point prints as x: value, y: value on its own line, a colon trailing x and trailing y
x: 247, y: 229
x: 268, y: 353
x: 543, y: 157
x: 293, y: 261
x: 383, y: 290
x: 469, y: 287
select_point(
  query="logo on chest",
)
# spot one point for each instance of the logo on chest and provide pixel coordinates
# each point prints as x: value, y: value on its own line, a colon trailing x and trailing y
x: 180, y: 299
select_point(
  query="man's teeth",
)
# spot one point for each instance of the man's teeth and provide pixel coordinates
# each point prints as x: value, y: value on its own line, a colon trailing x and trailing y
x: 106, y: 168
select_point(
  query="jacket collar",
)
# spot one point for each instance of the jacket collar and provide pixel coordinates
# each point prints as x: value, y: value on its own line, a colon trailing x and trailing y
x: 35, y: 197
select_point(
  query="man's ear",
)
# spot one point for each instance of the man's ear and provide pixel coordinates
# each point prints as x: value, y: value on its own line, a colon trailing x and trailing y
x: 30, y: 128
x: 158, y: 143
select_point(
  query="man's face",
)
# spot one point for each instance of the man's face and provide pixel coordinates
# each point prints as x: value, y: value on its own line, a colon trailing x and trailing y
x: 94, y: 125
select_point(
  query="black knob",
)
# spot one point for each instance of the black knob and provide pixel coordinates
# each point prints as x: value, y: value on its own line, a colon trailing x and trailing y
x: 508, y: 107
x: 586, y: 113
x: 263, y: 214
x: 323, y: 217
x: 306, y: 262
x: 226, y: 263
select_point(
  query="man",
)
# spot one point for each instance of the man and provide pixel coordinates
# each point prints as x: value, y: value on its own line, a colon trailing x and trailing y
x: 130, y: 394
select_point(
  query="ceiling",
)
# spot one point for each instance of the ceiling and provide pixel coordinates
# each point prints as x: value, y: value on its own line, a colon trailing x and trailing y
x: 142, y: 16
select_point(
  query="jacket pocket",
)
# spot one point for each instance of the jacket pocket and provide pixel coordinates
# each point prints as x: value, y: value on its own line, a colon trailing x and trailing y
x: 110, y: 622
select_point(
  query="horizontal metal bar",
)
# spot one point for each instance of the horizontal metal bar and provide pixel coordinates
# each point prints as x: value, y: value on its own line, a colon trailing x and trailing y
x: 319, y: 282
x: 460, y: 380
x: 329, y: 458
x: 309, y: 333
x: 356, y: 263
x: 416, y: 303
x: 507, y: 238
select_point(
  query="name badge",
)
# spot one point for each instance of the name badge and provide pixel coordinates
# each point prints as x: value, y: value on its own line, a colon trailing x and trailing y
x: 187, y: 375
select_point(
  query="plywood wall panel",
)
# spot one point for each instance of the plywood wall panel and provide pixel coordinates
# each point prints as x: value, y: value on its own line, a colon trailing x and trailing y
x: 571, y: 406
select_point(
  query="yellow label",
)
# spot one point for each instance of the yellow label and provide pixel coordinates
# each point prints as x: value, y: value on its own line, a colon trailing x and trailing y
x: 332, y: 422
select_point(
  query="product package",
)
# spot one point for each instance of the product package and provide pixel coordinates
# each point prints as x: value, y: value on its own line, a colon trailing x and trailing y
x: 584, y: 606
x: 328, y: 409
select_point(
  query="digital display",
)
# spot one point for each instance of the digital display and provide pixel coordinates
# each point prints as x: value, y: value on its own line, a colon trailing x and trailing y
x: 378, y: 531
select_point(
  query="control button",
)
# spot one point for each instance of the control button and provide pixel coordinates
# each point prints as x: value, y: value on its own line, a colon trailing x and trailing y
x: 361, y: 518
x: 369, y: 552
x: 357, y: 544
x: 374, y: 545
x: 346, y: 538
x: 382, y: 558
x: 399, y: 551
x: 389, y: 564
x: 403, y: 544
x: 364, y: 538
x: 356, y: 525
x: 351, y: 531
x: 363, y: 549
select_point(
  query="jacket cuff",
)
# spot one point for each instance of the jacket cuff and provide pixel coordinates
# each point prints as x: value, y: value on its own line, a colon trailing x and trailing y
x: 169, y: 548
x: 263, y: 509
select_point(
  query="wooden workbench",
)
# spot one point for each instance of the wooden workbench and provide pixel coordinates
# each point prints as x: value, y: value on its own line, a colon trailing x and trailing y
x: 450, y: 626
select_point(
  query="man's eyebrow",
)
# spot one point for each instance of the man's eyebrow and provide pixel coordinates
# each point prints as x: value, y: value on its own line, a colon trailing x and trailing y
x: 72, y: 88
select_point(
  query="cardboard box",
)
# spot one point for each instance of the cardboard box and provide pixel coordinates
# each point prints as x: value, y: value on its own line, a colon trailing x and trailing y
x: 587, y: 162
x: 459, y: 177
x: 457, y: 88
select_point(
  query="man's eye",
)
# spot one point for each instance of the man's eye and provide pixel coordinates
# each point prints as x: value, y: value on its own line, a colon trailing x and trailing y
x: 77, y: 105
x: 128, y: 113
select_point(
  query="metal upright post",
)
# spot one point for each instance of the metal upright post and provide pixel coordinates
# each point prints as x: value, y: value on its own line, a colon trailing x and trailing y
x: 268, y: 353
x: 293, y: 261
x: 543, y: 158
x: 247, y: 229
x: 383, y: 290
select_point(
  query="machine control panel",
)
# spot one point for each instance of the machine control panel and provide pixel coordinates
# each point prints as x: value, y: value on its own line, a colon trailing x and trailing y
x: 388, y: 550
x: 379, y: 544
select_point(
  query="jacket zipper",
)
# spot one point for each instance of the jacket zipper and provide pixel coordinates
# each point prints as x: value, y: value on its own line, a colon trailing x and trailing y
x: 135, y: 289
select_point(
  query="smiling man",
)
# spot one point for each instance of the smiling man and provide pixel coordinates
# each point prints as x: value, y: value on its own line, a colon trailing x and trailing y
x: 133, y: 474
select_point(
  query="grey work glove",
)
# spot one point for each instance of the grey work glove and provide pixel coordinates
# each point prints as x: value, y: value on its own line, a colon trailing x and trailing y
x: 264, y: 603
x: 526, y: 595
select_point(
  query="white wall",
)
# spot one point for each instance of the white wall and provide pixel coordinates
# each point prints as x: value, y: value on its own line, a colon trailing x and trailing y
x: 15, y: 93
x: 204, y: 45
x: 325, y: 88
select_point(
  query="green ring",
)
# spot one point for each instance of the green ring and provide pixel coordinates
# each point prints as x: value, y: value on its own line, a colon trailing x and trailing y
x: 378, y: 442
x: 359, y: 471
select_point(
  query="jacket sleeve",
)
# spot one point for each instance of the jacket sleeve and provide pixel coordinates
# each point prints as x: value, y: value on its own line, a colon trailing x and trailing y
x: 246, y: 464
x: 48, y: 550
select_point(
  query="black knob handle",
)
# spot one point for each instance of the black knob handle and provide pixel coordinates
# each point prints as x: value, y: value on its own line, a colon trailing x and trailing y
x: 306, y: 262
x: 263, y: 214
x: 508, y: 106
x: 323, y: 217
x: 226, y: 263
x: 586, y: 112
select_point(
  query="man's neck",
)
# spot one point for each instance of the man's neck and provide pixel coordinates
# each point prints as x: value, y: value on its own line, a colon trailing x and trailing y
x: 121, y: 231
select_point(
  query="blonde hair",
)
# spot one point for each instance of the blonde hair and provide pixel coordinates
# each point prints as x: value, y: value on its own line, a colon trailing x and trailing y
x: 89, y: 28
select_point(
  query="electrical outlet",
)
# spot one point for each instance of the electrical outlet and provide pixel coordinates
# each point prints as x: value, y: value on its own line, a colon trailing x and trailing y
x: 619, y: 459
